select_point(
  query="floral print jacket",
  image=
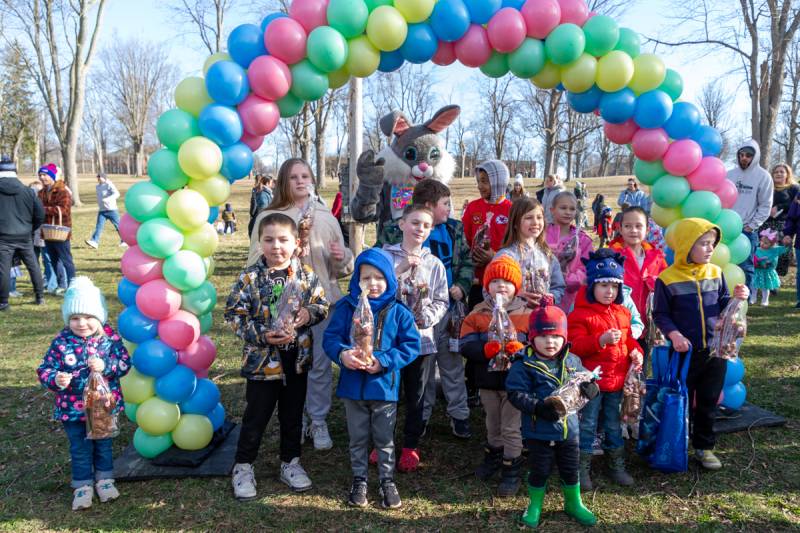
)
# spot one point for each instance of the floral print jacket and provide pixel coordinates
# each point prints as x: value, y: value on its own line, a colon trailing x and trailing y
x: 69, y: 353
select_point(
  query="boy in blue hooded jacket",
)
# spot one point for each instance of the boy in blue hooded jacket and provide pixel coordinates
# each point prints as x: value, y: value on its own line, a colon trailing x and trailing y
x: 369, y: 382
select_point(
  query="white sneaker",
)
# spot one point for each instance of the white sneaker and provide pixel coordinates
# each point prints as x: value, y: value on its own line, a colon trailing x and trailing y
x: 319, y: 432
x: 293, y: 475
x: 15, y: 294
x: 106, y: 490
x: 82, y: 498
x: 244, y: 481
x: 91, y: 243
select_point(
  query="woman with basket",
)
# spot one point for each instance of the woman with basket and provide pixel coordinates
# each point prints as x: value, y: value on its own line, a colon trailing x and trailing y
x: 57, y: 229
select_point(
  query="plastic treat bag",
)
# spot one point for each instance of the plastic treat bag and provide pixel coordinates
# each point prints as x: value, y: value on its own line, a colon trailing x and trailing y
x: 287, y: 308
x: 99, y: 404
x: 363, y: 327
x: 568, y: 399
x: 730, y: 327
x: 458, y: 312
x: 482, y: 237
x: 305, y: 223
x: 566, y: 253
x: 654, y: 335
x: 502, y: 338
x: 633, y: 391
x: 413, y: 292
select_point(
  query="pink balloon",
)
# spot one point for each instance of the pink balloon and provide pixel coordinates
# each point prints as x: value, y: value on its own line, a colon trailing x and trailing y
x: 574, y: 11
x: 180, y: 330
x: 727, y: 194
x: 708, y: 176
x: 158, y: 299
x: 200, y: 374
x: 269, y: 77
x: 620, y: 133
x: 506, y: 30
x: 128, y: 226
x: 445, y: 54
x: 285, y: 39
x: 139, y: 267
x: 682, y: 157
x: 254, y: 142
x: 199, y: 355
x: 259, y: 116
x: 541, y: 16
x: 473, y: 49
x: 310, y: 13
x: 650, y: 144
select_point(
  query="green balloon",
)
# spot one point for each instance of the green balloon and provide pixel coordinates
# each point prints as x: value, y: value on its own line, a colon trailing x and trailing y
x: 672, y: 84
x: 289, y: 105
x: 497, y: 66
x: 175, y: 126
x: 158, y: 237
x: 628, y: 42
x: 648, y: 172
x: 206, y: 322
x: 348, y: 17
x: 165, y: 171
x: 730, y: 223
x: 565, y: 44
x: 372, y: 5
x: 130, y: 411
x: 327, y: 49
x: 670, y: 191
x: 184, y: 270
x: 150, y: 446
x: 201, y: 300
x: 740, y: 249
x: 145, y: 200
x: 527, y: 60
x: 308, y: 83
x: 701, y: 204
x: 602, y: 35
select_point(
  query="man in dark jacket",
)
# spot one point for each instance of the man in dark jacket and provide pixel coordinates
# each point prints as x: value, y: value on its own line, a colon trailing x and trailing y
x: 21, y: 213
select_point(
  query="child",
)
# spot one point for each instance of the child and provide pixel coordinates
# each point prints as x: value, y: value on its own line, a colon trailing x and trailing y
x: 570, y: 245
x: 616, y: 225
x: 275, y: 363
x: 603, y: 228
x: 600, y: 334
x: 766, y: 261
x: 689, y: 296
x: 86, y: 344
x: 524, y: 242
x: 420, y: 272
x: 229, y: 219
x: 791, y: 231
x: 504, y: 442
x: 368, y: 383
x: 546, y: 365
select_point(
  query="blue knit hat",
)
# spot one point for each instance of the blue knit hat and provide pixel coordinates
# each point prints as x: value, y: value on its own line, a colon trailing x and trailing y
x: 84, y: 298
x: 604, y: 265
x: 47, y: 171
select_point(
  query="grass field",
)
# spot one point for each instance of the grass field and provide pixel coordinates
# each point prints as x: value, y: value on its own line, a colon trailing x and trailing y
x: 758, y: 490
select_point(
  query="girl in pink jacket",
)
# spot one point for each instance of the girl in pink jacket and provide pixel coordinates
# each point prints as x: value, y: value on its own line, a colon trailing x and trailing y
x: 569, y: 243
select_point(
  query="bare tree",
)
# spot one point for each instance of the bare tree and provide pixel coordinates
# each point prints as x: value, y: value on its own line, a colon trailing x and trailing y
x: 499, y: 110
x: 16, y: 104
x: 96, y: 122
x: 207, y: 17
x: 716, y: 102
x: 787, y: 137
x: 322, y: 111
x: 577, y: 126
x: 541, y: 109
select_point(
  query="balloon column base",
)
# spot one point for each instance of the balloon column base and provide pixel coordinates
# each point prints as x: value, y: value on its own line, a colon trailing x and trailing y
x: 749, y: 416
x: 215, y: 460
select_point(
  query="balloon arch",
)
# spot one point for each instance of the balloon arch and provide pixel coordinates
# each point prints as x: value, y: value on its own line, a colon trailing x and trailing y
x: 272, y: 69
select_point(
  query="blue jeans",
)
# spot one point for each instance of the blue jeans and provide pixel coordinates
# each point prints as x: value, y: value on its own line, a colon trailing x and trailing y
x: 51, y: 279
x: 91, y: 459
x: 747, y: 264
x: 610, y: 403
x: 112, y: 215
x: 61, y: 252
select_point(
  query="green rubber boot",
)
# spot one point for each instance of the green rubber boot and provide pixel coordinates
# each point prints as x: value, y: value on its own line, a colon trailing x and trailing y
x: 573, y: 505
x: 534, y: 510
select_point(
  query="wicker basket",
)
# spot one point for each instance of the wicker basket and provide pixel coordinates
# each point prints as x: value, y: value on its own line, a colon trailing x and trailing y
x: 56, y: 232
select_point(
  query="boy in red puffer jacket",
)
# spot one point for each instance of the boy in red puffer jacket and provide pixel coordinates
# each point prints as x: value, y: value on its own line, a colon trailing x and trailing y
x: 600, y: 333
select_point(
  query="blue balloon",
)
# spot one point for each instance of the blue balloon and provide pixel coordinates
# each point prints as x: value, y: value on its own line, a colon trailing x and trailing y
x: 516, y: 4
x: 237, y: 161
x: 585, y: 102
x: 221, y: 124
x: 154, y: 358
x: 245, y: 43
x: 618, y: 107
x: 653, y: 108
x: 709, y: 139
x: 213, y: 214
x: 450, y: 20
x: 176, y: 385
x: 217, y: 416
x: 420, y: 45
x: 227, y: 83
x: 669, y: 255
x: 480, y: 11
x: 136, y: 327
x: 126, y: 292
x: 269, y: 18
x: 734, y: 396
x: 734, y: 372
x: 684, y: 121
x: 204, y: 398
x: 390, y: 61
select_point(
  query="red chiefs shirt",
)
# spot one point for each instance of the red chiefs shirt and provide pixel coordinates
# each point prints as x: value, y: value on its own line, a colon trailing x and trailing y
x: 474, y: 217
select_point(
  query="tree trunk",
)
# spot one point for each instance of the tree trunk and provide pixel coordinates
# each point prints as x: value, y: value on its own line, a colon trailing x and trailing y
x: 319, y: 153
x: 137, y: 157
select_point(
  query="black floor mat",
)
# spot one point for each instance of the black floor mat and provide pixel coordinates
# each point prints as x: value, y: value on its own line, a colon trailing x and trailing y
x: 749, y: 416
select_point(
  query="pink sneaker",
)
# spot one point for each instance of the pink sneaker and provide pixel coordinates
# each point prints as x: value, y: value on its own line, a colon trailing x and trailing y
x: 373, y: 457
x: 409, y: 460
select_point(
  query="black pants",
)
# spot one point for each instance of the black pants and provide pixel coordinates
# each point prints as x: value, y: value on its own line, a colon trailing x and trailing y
x: 414, y: 377
x: 262, y: 398
x: 704, y: 382
x: 23, y: 249
x: 474, y: 297
x: 542, y: 453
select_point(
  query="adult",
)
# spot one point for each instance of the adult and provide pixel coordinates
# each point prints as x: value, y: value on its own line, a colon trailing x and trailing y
x: 330, y: 261
x: 784, y: 191
x: 634, y: 196
x: 57, y: 202
x: 755, y: 197
x: 21, y: 213
x: 107, y: 195
x: 260, y: 198
x: 517, y: 189
x: 551, y: 187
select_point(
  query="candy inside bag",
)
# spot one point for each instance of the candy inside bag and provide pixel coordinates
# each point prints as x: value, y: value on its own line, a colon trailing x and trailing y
x: 730, y: 327
x: 99, y: 405
x: 458, y: 312
x: 412, y: 292
x: 287, y: 308
x: 482, y: 237
x: 654, y: 335
x: 568, y: 398
x: 305, y: 223
x: 633, y: 391
x: 363, y: 327
x: 502, y: 338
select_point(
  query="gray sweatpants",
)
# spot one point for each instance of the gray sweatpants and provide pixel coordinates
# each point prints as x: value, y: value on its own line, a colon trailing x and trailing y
x: 320, y: 378
x: 365, y: 417
x: 451, y: 374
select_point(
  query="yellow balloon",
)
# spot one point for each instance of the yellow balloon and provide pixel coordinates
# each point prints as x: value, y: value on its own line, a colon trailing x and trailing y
x: 648, y: 73
x: 614, y: 71
x: 136, y: 387
x: 578, y: 76
x: 203, y: 241
x: 191, y: 95
x: 669, y: 234
x: 338, y: 78
x: 722, y: 255
x: 664, y: 216
x: 200, y: 158
x: 188, y: 210
x: 215, y: 189
x: 193, y: 432
x: 549, y: 77
x: 156, y: 417
x: 386, y: 28
x: 213, y: 58
x: 415, y: 10
x: 363, y: 58
x: 733, y: 275
x: 210, y: 266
